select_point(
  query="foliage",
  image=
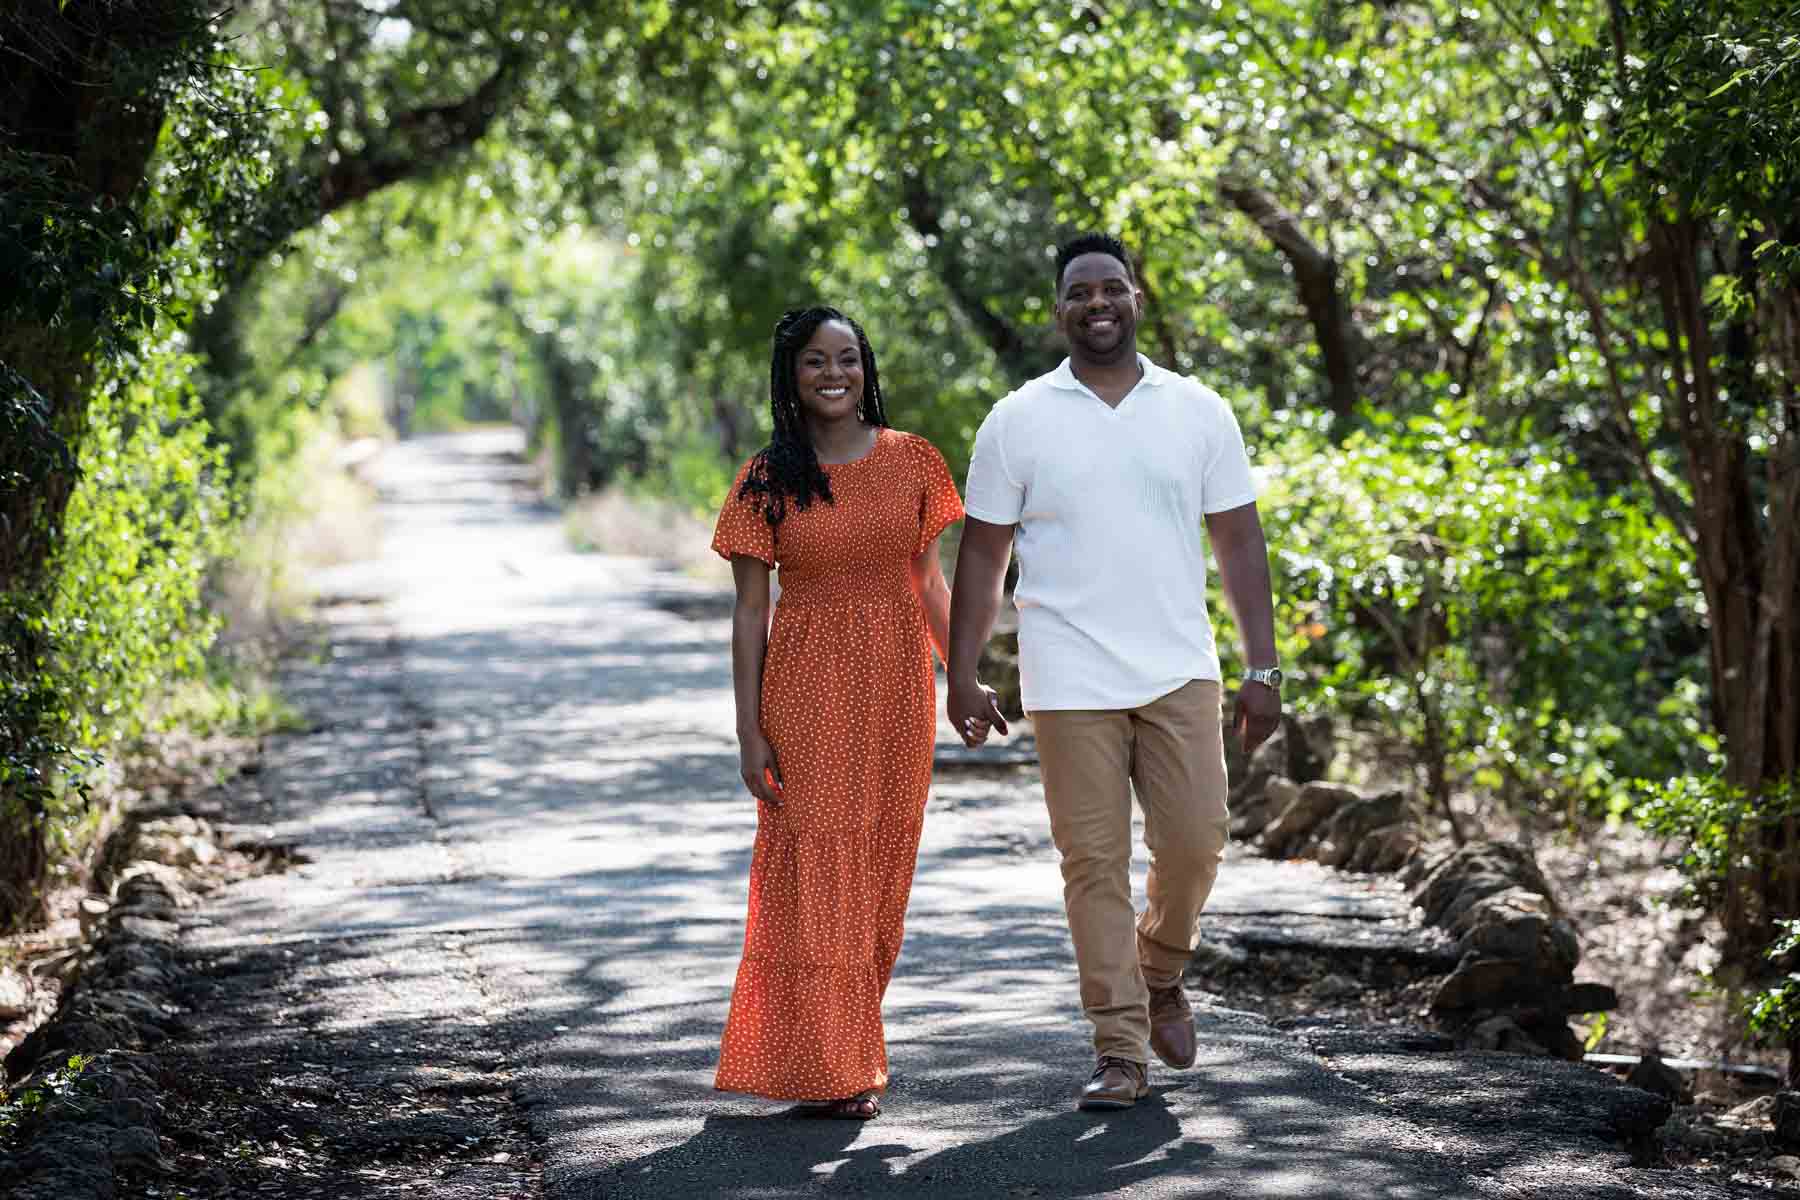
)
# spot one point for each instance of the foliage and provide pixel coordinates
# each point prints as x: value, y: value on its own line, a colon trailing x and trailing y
x: 64, y: 1085
x: 1774, y: 1012
x: 109, y: 515
x: 146, y: 522
x: 123, y: 615
x: 1704, y: 167
x: 1487, y: 604
x: 1720, y: 825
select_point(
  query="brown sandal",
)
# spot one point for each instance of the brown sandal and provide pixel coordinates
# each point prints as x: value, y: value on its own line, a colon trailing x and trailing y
x: 865, y: 1106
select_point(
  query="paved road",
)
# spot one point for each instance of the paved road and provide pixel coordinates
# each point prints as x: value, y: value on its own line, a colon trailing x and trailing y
x: 541, y: 819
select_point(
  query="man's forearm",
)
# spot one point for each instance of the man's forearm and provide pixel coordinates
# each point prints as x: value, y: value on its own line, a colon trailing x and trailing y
x: 1243, y: 558
x: 1247, y: 590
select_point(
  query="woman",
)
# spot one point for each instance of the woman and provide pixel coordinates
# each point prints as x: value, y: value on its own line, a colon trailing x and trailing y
x: 836, y: 712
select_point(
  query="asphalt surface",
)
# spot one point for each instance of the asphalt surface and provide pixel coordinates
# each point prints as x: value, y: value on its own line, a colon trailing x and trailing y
x: 521, y: 810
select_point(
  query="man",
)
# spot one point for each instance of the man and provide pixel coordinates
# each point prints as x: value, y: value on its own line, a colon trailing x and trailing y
x: 1104, y: 470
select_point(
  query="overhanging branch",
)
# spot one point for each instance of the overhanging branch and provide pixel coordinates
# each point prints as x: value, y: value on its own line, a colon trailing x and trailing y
x: 418, y: 140
x: 1316, y: 273
x: 1022, y: 356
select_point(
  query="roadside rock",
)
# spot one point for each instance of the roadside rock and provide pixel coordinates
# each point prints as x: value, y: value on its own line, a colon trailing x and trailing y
x: 15, y: 997
x: 1289, y: 831
x: 1654, y: 1075
x: 1285, y: 816
x: 1347, y: 830
x: 1471, y: 872
x: 1786, y: 1118
x: 1513, y: 988
x: 1300, y: 750
x: 1387, y: 849
x: 1251, y: 813
x: 103, y: 1115
x: 177, y: 841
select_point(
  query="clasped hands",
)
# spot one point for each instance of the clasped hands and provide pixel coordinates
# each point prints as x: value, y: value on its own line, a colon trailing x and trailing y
x: 974, y: 710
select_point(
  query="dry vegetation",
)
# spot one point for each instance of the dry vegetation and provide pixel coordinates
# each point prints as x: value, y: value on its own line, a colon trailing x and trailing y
x: 620, y: 522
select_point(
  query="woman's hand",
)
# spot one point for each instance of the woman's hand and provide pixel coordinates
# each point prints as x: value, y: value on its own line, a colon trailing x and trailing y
x: 757, y: 765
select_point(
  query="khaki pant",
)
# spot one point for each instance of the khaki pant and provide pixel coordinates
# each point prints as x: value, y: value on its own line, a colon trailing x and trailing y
x: 1171, y: 752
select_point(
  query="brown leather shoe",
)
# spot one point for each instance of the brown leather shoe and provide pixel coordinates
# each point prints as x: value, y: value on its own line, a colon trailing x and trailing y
x: 1172, y: 1025
x: 1117, y: 1083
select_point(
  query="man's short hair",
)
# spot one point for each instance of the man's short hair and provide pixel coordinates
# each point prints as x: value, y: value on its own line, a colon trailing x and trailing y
x: 1091, y: 243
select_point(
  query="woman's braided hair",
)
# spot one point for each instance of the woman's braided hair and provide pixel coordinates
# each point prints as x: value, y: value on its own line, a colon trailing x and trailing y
x: 789, y: 466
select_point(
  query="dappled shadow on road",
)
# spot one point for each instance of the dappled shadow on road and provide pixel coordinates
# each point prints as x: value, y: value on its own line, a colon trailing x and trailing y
x: 588, y: 792
x: 497, y: 674
x: 987, y: 1051
x: 335, y: 1069
x: 782, y: 1153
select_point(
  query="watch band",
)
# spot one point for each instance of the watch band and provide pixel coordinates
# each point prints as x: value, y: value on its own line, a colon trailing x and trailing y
x: 1267, y: 676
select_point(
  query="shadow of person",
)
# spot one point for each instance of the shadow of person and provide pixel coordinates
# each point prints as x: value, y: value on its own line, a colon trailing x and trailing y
x: 1066, y: 1155
x: 1070, y: 1154
x: 736, y: 1155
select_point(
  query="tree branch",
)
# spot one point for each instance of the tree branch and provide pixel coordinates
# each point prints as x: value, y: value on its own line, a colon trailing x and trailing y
x: 1316, y: 272
x: 419, y: 139
x: 1022, y: 356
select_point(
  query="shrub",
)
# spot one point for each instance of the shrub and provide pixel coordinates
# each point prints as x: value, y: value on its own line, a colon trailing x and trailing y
x: 1517, y: 626
x: 1774, y: 1012
x: 121, y: 613
x: 1731, y: 840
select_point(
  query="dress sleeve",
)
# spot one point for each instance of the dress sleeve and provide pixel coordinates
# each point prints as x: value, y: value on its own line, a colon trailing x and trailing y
x: 742, y: 528
x: 939, y: 505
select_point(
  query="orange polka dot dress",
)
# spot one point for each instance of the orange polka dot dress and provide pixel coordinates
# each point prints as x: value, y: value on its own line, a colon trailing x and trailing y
x: 850, y: 707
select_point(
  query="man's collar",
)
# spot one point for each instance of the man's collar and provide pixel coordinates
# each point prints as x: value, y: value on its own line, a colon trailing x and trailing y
x: 1064, y: 375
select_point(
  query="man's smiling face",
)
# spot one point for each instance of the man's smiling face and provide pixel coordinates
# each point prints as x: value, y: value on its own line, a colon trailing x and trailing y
x: 1098, y: 308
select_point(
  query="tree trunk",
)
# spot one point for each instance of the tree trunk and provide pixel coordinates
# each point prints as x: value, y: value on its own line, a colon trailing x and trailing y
x: 574, y: 456
x: 1316, y: 276
x: 1749, y: 568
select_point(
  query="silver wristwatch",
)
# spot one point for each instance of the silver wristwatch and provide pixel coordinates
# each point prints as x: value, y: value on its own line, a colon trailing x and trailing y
x: 1269, y: 677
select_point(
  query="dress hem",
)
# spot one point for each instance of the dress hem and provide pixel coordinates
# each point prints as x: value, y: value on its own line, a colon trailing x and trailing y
x: 880, y: 1088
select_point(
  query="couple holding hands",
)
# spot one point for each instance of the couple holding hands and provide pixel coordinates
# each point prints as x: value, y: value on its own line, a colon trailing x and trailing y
x: 1100, y: 473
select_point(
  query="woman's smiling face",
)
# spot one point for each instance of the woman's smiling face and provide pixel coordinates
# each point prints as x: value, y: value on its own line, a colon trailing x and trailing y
x: 828, y: 373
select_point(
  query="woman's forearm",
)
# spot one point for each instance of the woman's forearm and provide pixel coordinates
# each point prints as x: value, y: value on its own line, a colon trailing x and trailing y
x: 749, y: 640
x: 749, y: 645
x: 934, y: 599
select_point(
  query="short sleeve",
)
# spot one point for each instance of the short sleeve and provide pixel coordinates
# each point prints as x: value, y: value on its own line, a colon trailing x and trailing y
x: 993, y: 495
x: 1225, y: 480
x: 939, y: 505
x: 742, y: 528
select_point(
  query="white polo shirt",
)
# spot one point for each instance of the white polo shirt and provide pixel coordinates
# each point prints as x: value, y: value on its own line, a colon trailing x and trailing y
x: 1109, y: 505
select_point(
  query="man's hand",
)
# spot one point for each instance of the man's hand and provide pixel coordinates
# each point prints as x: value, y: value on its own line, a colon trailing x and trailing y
x: 974, y: 709
x: 757, y: 765
x: 1256, y: 715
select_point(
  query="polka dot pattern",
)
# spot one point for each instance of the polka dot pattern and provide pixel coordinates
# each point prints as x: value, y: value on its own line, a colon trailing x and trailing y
x: 849, y: 705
